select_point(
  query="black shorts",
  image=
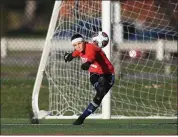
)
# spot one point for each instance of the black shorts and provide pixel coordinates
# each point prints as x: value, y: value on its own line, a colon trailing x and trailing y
x: 108, y: 81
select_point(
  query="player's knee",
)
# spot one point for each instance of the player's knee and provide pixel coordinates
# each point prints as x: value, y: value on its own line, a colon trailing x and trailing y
x: 97, y: 99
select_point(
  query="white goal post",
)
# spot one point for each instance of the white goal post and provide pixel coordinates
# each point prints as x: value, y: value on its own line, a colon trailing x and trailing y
x: 146, y: 87
x: 43, y: 61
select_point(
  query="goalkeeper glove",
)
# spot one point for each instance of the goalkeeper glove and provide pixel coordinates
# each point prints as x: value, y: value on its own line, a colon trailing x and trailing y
x: 68, y: 57
x: 86, y: 65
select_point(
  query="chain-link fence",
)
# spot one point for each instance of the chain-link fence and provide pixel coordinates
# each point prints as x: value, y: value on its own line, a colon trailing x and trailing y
x: 23, y: 27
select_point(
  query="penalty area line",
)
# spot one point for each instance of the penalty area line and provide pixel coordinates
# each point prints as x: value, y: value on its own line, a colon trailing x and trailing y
x: 35, y: 124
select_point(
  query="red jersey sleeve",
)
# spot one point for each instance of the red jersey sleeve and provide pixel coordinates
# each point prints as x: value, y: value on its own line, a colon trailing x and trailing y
x: 75, y: 53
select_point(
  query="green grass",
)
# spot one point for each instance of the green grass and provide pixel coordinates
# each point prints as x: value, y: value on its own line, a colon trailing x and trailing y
x: 16, y: 98
x: 147, y: 66
x: 90, y: 127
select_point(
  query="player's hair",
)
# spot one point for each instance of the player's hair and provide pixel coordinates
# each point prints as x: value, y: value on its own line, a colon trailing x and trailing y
x: 76, y: 36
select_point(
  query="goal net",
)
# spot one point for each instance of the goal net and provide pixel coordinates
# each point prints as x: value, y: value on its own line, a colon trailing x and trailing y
x: 143, y: 52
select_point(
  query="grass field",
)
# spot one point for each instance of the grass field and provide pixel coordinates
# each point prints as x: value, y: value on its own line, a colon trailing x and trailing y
x: 90, y: 127
x: 16, y: 106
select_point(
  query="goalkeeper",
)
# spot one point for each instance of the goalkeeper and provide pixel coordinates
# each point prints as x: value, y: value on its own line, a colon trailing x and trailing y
x: 100, y: 68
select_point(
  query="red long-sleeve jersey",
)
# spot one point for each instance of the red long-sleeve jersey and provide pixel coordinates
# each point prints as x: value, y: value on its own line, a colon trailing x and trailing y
x: 100, y: 63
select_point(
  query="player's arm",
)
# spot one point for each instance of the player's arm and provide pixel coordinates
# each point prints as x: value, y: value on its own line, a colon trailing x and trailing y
x: 91, y: 56
x: 69, y: 56
x: 86, y: 65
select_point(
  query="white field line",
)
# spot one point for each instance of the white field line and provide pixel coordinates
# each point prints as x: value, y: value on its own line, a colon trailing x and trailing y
x: 35, y: 124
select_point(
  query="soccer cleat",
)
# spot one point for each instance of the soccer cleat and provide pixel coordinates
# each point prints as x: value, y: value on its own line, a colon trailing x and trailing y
x: 79, y: 121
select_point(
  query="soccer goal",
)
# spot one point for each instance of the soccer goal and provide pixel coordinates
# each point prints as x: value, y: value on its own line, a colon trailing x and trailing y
x: 142, y: 47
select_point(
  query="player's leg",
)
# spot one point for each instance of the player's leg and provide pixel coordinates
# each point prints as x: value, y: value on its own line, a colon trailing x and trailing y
x: 102, y: 85
x: 92, y: 106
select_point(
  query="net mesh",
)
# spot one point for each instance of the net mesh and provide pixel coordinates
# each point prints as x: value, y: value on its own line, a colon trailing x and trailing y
x: 146, y: 83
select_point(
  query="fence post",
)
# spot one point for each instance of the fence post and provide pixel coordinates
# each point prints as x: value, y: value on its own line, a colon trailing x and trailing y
x: 3, y: 47
x: 167, y: 67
